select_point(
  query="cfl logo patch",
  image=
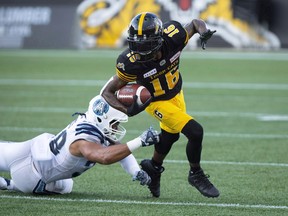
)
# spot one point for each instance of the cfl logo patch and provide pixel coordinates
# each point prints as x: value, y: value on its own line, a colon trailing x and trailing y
x: 121, y: 66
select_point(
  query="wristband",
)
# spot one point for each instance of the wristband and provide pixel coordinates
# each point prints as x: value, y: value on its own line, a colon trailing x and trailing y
x: 134, y: 144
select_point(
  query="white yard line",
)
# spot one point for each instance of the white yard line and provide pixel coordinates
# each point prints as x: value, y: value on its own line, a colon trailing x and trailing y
x: 208, y: 134
x: 186, y: 54
x: 273, y: 118
x: 221, y: 205
x: 41, y: 82
x: 231, y: 163
x: 100, y: 83
x: 69, y: 110
x: 52, y: 130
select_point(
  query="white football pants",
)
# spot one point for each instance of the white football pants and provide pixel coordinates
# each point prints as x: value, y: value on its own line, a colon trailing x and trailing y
x: 16, y: 158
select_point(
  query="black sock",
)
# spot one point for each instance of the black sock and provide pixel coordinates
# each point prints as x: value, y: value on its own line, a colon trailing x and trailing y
x: 156, y: 164
x: 195, y: 169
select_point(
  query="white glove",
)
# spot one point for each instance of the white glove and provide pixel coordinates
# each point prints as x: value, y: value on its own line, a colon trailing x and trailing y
x: 143, y: 177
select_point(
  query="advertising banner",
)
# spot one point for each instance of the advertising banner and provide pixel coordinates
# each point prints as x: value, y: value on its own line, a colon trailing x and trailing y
x: 37, y: 24
x: 88, y: 24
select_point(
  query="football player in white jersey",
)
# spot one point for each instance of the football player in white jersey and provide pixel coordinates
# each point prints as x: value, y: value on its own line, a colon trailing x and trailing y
x: 47, y: 163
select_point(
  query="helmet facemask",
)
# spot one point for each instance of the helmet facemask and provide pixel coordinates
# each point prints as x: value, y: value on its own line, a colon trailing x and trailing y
x: 115, y: 132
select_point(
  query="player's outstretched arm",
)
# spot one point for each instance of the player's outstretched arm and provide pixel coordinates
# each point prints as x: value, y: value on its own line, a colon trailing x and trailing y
x: 199, y: 26
x: 97, y: 153
x: 147, y: 138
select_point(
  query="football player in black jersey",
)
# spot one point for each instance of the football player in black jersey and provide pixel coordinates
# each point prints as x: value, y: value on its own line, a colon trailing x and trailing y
x: 152, y: 60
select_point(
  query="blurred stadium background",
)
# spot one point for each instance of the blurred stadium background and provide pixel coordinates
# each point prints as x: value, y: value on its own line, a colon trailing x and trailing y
x: 74, y: 24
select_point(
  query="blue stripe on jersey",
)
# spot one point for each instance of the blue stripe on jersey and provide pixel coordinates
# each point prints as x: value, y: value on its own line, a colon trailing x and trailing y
x: 90, y: 130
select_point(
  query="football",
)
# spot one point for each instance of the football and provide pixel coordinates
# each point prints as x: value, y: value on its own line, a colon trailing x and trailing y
x: 126, y: 93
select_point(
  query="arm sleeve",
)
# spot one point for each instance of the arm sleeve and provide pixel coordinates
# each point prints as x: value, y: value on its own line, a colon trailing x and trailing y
x: 130, y: 165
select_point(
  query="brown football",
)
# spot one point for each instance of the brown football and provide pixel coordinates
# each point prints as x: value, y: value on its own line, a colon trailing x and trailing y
x: 126, y: 93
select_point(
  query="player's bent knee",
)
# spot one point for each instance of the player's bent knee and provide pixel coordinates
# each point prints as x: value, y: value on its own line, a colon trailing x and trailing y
x: 193, y: 130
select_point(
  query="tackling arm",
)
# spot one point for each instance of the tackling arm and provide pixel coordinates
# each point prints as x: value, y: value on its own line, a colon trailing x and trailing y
x: 97, y: 153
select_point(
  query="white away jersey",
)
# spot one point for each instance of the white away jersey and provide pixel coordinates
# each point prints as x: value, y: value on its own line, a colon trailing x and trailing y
x: 64, y: 165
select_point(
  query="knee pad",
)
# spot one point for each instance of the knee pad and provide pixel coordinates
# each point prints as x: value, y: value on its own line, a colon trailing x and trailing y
x: 193, y: 131
x: 166, y: 142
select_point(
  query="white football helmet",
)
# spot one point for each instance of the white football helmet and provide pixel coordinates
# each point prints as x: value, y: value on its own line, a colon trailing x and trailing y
x: 107, y: 118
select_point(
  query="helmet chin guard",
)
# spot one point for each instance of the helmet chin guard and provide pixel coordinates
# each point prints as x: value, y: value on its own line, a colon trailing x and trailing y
x: 107, y: 118
x: 145, y: 35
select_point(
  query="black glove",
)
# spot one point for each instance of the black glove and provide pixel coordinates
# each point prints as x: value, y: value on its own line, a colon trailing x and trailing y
x: 204, y: 37
x: 135, y: 108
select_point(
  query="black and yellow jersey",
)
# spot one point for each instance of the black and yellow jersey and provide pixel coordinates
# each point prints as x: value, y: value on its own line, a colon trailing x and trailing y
x: 162, y: 77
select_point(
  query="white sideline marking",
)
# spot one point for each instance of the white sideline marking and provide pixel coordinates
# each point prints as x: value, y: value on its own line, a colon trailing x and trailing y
x: 72, y: 110
x: 258, y: 116
x: 41, y: 109
x: 250, y: 86
x: 100, y: 83
x: 37, y: 82
x: 215, y: 134
x: 186, y: 54
x: 232, y: 163
x: 223, y: 205
x: 41, y: 130
x: 211, y: 134
x: 273, y: 118
x: 247, y: 136
x: 235, y: 55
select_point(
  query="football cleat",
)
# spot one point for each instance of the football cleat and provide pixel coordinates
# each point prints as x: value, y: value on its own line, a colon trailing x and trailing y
x: 201, y: 182
x: 155, y: 173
